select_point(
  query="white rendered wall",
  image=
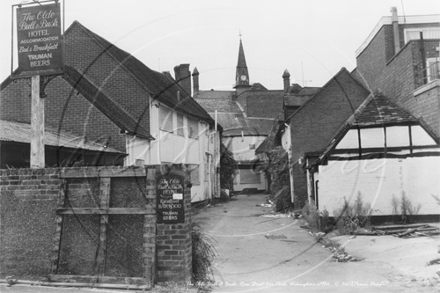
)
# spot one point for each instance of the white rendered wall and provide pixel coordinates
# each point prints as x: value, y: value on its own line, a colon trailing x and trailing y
x: 169, y: 147
x: 240, y: 147
x: 378, y: 180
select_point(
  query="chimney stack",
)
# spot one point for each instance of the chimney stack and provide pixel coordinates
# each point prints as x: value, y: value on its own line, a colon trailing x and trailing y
x: 195, y: 76
x: 286, y: 78
x: 183, y: 77
x: 395, y: 22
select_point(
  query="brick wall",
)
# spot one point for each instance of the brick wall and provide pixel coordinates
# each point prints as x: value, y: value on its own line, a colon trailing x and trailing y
x: 67, y: 111
x: 28, y: 202
x: 314, y: 125
x: 88, y: 57
x: 426, y: 103
x: 399, y: 74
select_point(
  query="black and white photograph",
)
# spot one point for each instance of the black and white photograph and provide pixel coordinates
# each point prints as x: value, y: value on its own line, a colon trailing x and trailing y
x: 219, y: 146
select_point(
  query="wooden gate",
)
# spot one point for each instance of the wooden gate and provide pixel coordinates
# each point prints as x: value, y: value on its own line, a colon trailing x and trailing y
x: 106, y: 227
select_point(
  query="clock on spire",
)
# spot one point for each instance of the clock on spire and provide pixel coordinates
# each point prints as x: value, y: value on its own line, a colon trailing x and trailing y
x: 242, y: 74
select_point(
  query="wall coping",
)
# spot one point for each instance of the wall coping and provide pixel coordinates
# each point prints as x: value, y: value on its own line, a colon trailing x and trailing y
x: 427, y: 87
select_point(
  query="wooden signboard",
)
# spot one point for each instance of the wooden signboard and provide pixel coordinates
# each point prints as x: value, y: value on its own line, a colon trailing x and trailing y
x: 170, y: 198
x: 39, y: 38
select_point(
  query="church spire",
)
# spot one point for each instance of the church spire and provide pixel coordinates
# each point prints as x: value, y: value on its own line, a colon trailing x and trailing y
x: 242, y: 74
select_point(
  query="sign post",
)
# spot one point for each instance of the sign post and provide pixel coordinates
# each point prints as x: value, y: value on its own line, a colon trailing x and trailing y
x: 170, y: 198
x: 37, y: 125
x: 40, y: 53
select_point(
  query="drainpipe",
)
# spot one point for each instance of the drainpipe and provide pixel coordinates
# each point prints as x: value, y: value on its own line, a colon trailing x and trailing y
x: 395, y: 22
x: 423, y: 56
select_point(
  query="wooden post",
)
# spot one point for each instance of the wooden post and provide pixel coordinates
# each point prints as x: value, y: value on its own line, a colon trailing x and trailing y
x: 37, y: 125
x: 104, y: 194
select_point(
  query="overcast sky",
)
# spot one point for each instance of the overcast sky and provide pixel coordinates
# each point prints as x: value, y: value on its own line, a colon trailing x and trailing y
x: 312, y: 39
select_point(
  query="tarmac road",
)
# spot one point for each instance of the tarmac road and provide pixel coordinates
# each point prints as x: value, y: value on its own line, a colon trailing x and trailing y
x: 262, y: 254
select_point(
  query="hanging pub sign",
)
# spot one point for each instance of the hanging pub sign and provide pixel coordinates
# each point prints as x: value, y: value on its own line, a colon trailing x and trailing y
x: 170, y: 198
x: 39, y: 38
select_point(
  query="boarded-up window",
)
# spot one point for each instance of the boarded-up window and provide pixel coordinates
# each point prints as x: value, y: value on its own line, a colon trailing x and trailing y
x: 180, y: 129
x: 165, y: 119
x: 248, y: 176
x: 193, y: 128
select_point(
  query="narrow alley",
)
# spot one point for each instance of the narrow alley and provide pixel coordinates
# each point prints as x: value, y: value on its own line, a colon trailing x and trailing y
x: 257, y: 253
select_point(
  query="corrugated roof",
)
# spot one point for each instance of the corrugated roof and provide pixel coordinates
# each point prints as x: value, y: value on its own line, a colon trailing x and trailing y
x: 158, y: 84
x: 104, y: 104
x: 22, y: 132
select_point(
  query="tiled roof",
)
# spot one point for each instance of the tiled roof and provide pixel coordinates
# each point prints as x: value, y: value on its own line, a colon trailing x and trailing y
x: 212, y: 94
x: 376, y: 110
x: 257, y: 87
x: 379, y: 110
x: 309, y: 91
x: 104, y: 104
x: 221, y: 105
x: 235, y: 124
x: 295, y: 100
x: 22, y: 132
x: 157, y: 84
x: 269, y: 143
x: 264, y: 104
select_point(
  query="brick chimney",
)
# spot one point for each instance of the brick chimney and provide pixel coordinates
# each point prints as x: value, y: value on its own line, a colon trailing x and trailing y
x: 395, y: 22
x: 183, y: 77
x: 286, y: 78
x: 195, y: 76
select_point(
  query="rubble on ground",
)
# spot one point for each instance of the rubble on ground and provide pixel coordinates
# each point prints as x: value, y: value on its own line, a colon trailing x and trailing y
x: 339, y: 255
x: 402, y: 231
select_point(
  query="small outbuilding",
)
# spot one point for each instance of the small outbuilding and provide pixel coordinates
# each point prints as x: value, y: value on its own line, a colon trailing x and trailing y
x: 382, y: 154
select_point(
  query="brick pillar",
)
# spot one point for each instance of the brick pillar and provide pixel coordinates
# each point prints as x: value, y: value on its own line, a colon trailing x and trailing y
x: 174, y: 246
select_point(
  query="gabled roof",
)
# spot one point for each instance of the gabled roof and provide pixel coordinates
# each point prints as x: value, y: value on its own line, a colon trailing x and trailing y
x: 104, y: 104
x: 158, y: 85
x: 21, y: 132
x: 323, y: 89
x: 376, y: 110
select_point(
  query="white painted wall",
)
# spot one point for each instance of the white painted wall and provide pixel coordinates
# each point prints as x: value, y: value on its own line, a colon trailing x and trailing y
x: 170, y: 147
x: 240, y: 146
x: 378, y: 180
